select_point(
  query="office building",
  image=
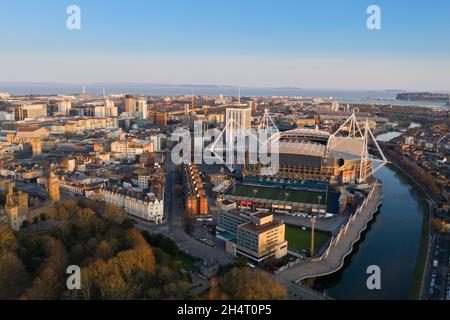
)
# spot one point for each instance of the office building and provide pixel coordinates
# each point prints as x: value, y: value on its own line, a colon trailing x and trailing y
x: 32, y: 111
x: 130, y: 104
x: 262, y: 238
x: 237, y: 119
x: 142, y: 109
x: 64, y: 107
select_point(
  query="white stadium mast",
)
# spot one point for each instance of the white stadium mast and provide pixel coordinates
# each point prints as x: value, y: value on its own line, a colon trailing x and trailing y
x: 355, y: 146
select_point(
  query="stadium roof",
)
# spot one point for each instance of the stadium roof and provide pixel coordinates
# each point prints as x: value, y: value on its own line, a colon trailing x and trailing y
x: 305, y: 133
x: 306, y: 148
x: 346, y: 148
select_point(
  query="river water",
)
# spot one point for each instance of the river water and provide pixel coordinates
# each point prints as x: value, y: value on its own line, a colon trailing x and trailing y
x: 391, y: 242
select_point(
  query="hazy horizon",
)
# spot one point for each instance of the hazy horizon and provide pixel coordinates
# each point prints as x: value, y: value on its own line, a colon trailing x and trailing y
x: 302, y: 44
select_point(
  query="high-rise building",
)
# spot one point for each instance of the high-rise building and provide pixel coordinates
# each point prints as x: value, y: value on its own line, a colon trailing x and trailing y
x: 53, y: 185
x: 111, y: 109
x: 142, y: 109
x: 237, y: 119
x: 100, y: 111
x: 130, y: 104
x: 64, y: 107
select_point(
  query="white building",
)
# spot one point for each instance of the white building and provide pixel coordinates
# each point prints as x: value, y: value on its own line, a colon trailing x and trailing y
x: 6, y: 116
x: 131, y: 148
x: 64, y: 107
x: 111, y: 109
x: 31, y: 111
x: 147, y: 207
x: 142, y: 109
x: 157, y: 141
x: 143, y: 182
x: 237, y: 119
x: 100, y: 111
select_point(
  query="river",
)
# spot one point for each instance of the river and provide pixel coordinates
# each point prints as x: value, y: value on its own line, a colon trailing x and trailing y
x: 391, y: 242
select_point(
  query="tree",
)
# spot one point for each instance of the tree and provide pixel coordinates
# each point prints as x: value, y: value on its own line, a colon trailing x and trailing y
x: 71, y: 206
x: 84, y: 217
x: 127, y: 224
x: 8, y: 241
x: 50, y: 282
x: 104, y: 250
x: 13, y: 277
x: 168, y: 285
x: 251, y: 284
x: 105, y: 278
x: 114, y: 213
x: 214, y: 292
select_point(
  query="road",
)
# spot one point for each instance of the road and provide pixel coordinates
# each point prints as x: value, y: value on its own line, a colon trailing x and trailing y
x: 175, y: 224
x: 437, y: 281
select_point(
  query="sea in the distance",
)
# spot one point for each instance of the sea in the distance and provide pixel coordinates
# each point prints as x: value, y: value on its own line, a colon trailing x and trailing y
x: 341, y: 96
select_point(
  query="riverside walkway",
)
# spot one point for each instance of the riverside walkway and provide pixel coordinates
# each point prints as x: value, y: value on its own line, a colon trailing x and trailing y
x: 341, y: 245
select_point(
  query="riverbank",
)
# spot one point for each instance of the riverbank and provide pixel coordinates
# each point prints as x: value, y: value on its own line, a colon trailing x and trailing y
x: 342, y: 244
x: 391, y: 241
x: 423, y: 253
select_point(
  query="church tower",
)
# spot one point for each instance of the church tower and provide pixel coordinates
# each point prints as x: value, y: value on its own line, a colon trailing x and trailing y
x: 12, y: 211
x: 53, y: 185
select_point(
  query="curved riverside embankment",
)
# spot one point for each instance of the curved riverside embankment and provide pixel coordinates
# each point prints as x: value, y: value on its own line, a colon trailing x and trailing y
x: 341, y: 246
x: 391, y: 241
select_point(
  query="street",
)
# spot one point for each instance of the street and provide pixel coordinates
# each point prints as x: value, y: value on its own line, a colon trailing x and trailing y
x: 437, y: 285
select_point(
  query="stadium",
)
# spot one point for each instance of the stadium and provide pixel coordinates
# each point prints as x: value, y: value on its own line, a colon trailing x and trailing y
x: 341, y: 158
x: 315, y: 170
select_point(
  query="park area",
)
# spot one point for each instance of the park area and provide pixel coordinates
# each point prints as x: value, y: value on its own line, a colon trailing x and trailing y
x: 299, y: 239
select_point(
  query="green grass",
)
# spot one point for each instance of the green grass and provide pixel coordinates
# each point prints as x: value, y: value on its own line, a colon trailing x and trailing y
x: 414, y: 291
x: 299, y: 239
x: 297, y: 196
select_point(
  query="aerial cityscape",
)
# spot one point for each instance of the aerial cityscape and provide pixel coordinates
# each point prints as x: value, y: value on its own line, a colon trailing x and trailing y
x: 178, y: 175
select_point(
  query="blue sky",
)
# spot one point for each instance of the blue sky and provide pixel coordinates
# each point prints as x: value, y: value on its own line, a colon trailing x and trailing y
x: 311, y: 44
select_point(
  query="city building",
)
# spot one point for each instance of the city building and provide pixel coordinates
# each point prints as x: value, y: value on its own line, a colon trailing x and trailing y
x: 251, y: 233
x: 100, y: 111
x: 131, y: 148
x: 64, y: 107
x: 142, y: 109
x: 262, y: 238
x: 32, y: 111
x: 196, y: 200
x: 237, y: 119
x: 145, y: 206
x: 111, y: 109
x: 130, y: 104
